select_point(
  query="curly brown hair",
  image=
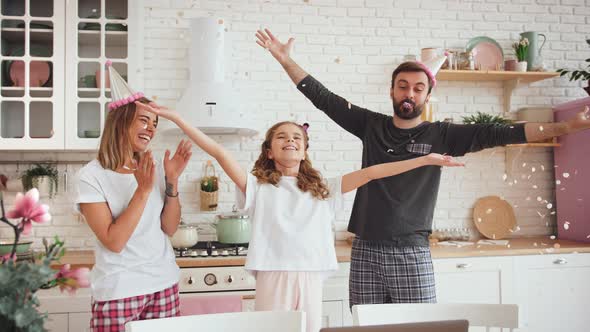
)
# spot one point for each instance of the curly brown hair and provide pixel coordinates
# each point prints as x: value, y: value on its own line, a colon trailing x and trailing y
x: 308, y: 179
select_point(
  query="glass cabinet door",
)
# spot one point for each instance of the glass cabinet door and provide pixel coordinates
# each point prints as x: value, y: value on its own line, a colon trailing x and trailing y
x: 97, y: 31
x: 32, y: 48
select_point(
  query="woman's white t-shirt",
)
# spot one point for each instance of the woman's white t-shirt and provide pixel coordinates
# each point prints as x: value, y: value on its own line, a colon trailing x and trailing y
x: 291, y: 230
x: 147, y: 262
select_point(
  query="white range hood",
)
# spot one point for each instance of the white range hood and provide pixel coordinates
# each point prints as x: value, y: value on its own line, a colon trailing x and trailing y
x: 209, y: 103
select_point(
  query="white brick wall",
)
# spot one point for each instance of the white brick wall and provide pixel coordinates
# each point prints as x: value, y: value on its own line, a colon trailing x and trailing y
x: 352, y: 46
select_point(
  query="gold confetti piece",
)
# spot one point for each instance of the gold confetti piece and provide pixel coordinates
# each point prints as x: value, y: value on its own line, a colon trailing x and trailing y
x: 566, y: 175
x: 508, y: 245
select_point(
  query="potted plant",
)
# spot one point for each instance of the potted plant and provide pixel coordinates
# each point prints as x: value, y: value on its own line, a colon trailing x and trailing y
x: 580, y: 74
x: 481, y: 117
x: 21, y: 279
x: 521, y: 49
x: 42, y: 177
x: 209, y: 188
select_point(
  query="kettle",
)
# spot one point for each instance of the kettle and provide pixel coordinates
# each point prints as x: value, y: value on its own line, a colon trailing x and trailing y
x: 233, y: 227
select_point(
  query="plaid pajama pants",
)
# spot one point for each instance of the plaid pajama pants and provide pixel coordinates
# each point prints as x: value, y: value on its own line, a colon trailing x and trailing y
x: 388, y: 274
x: 111, y: 316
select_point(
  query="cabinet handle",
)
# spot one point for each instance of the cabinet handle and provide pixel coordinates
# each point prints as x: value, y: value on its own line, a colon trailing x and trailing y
x: 560, y: 261
x: 463, y: 265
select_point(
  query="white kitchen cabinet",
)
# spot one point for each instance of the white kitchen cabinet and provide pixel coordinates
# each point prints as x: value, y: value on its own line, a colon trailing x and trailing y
x: 332, y: 313
x: 474, y: 280
x: 553, y: 292
x: 57, y: 322
x: 70, y: 40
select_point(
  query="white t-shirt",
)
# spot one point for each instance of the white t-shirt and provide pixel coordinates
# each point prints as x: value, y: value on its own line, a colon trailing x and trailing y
x: 147, y: 263
x: 291, y: 230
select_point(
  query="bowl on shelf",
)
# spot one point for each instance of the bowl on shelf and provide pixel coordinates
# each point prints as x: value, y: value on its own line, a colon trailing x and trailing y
x: 21, y: 247
x: 91, y: 133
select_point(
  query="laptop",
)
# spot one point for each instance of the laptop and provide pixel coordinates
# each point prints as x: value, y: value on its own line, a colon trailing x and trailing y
x: 435, y: 326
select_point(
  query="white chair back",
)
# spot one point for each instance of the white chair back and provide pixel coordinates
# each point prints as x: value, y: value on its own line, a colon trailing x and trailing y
x: 256, y: 321
x: 482, y: 315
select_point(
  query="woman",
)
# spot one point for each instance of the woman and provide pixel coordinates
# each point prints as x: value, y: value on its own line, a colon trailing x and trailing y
x: 131, y: 204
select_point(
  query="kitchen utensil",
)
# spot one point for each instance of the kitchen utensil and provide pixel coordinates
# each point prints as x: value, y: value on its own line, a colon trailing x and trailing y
x: 209, y: 188
x: 487, y: 53
x: 533, y: 55
x: 233, y: 228
x: 185, y: 236
x: 21, y: 246
x: 428, y: 53
x: 91, y: 133
x: 493, y: 217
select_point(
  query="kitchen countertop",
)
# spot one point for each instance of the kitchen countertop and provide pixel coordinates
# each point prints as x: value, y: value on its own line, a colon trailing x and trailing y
x: 519, y: 246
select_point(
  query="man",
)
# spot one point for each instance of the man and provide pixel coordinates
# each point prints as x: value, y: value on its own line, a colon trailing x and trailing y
x: 392, y: 217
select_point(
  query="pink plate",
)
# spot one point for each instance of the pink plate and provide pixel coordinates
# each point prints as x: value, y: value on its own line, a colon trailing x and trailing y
x: 39, y: 73
x: 488, y: 56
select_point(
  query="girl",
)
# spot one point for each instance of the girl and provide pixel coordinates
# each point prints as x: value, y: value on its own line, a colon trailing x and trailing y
x: 292, y: 208
x: 131, y: 204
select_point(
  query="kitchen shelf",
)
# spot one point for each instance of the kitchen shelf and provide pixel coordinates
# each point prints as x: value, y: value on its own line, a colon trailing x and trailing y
x: 18, y: 91
x: 511, y: 79
x: 92, y: 37
x: 37, y: 35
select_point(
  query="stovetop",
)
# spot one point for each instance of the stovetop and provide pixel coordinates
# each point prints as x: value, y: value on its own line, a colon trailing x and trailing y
x: 205, y: 249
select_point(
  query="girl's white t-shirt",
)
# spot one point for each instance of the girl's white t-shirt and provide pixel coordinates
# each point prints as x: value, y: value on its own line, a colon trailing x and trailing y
x: 147, y: 263
x: 291, y: 230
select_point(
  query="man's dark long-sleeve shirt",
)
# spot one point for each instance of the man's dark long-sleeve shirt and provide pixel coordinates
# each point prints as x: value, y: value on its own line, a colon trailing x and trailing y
x: 398, y: 210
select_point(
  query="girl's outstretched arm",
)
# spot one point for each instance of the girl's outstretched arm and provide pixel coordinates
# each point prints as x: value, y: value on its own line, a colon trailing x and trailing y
x: 356, y: 179
x: 224, y: 158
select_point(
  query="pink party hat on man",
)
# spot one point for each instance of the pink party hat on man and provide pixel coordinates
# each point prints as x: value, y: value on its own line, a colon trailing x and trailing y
x: 432, y: 67
x: 121, y: 93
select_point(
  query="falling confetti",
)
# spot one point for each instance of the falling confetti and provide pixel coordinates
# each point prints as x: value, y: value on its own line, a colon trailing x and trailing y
x: 478, y: 219
x: 515, y: 181
x: 542, y: 167
x: 535, y: 244
x: 552, y: 237
x: 303, y: 85
x: 508, y: 245
x: 523, y: 164
x: 552, y: 213
x: 549, y: 206
x: 349, y: 106
x: 541, y: 215
x: 494, y: 236
x: 515, y: 205
x: 558, y: 182
x: 533, y: 169
x: 511, y: 127
x: 535, y: 186
x: 528, y: 177
x: 504, y: 177
x: 488, y: 211
x: 566, y: 175
x: 566, y: 225
x: 517, y: 229
x: 588, y: 237
x: 528, y: 199
x: 541, y: 128
x: 539, y: 198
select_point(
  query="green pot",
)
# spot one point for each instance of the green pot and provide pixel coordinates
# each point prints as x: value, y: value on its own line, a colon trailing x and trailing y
x: 21, y: 247
x: 233, y: 228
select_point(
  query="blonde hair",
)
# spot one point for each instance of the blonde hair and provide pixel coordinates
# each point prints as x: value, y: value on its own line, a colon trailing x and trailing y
x: 115, y: 144
x: 308, y: 178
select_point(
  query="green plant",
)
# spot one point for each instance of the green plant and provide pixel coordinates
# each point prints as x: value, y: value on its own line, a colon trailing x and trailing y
x: 209, y: 184
x: 521, y: 49
x: 481, y: 117
x: 580, y: 74
x: 20, y: 280
x: 30, y: 178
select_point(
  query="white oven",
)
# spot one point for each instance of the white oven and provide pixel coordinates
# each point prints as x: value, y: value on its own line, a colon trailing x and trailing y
x: 218, y: 281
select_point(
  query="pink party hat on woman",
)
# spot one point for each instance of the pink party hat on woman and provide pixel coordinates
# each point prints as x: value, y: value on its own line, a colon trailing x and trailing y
x: 121, y: 93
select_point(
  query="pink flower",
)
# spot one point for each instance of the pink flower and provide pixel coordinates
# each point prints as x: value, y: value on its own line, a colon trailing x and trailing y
x: 27, y: 207
x: 71, y: 280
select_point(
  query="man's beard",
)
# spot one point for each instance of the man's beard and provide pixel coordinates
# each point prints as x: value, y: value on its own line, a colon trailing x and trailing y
x: 407, y: 113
